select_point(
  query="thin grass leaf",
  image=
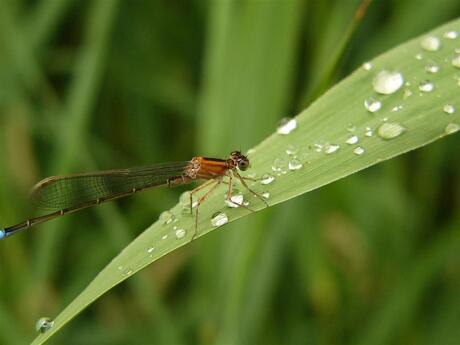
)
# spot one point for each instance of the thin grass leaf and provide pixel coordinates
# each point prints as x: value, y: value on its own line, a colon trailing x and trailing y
x: 409, y: 118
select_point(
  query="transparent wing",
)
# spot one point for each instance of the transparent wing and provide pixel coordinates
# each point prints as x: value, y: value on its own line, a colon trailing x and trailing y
x: 61, y: 192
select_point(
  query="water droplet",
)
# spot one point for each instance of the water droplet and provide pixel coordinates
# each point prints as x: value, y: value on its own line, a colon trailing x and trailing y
x: 266, y: 195
x: 449, y: 109
x: 452, y: 34
x: 387, y: 82
x: 396, y: 108
x: 166, y: 217
x: 267, y: 179
x: 456, y: 61
x: 426, y: 86
x: 430, y: 43
x: 318, y: 147
x: 295, y: 164
x: 120, y: 268
x: 286, y: 126
x: 164, y: 237
x: 352, y: 140
x: 407, y: 93
x: 180, y: 233
x: 367, y: 66
x: 369, y: 132
x: 431, y: 67
x: 390, y: 130
x: 279, y: 165
x: 250, y: 152
x: 219, y: 219
x: 452, y: 128
x: 236, y: 200
x: 184, y: 200
x: 331, y: 148
x: 351, y: 127
x: 292, y: 150
x: 150, y: 250
x: 372, y: 105
x: 44, y: 324
x: 419, y: 56
x: 358, y: 151
x: 129, y: 272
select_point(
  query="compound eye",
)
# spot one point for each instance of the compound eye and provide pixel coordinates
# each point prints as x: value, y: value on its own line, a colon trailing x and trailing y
x: 243, y: 165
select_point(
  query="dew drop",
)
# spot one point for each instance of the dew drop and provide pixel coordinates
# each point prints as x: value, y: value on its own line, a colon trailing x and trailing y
x: 452, y: 34
x: 286, y: 126
x: 236, y: 200
x: 295, y: 164
x: 266, y: 195
x: 166, y: 217
x: 164, y: 237
x: 372, y: 105
x: 267, y: 179
x: 430, y: 43
x: 449, y: 109
x: 292, y: 150
x: 150, y: 250
x: 331, y: 148
x: 407, y: 93
x: 367, y: 66
x: 351, y: 127
x: 358, y: 151
x: 390, y: 130
x: 180, y: 233
x: 419, y: 56
x: 426, y: 86
x: 352, y: 140
x: 396, y: 108
x: 369, y: 132
x: 184, y: 199
x: 456, y: 61
x: 431, y: 67
x: 44, y: 324
x: 452, y: 128
x: 219, y: 219
x: 387, y: 82
x: 279, y: 165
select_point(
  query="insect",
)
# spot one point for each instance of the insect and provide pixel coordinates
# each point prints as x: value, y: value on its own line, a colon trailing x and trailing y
x: 66, y: 194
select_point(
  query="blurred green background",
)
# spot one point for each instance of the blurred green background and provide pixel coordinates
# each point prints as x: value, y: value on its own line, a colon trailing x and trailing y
x: 85, y: 85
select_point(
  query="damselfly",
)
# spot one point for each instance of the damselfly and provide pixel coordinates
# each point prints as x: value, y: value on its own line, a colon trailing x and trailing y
x: 65, y: 194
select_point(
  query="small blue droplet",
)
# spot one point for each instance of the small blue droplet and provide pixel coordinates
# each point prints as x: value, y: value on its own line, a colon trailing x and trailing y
x: 2, y: 234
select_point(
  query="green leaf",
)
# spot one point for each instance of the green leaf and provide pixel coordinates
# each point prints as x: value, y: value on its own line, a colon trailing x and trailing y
x: 408, y: 119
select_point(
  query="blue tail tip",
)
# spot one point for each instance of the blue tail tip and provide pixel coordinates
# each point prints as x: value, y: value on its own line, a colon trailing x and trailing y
x: 2, y: 234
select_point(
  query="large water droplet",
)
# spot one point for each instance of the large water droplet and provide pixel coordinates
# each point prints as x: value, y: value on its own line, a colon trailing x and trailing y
x: 219, y: 219
x: 292, y: 150
x: 236, y: 200
x: 166, y: 217
x: 426, y: 86
x: 267, y: 179
x: 449, y: 109
x: 44, y: 324
x: 180, y: 233
x: 331, y: 148
x: 431, y: 67
x: 279, y: 165
x: 452, y: 34
x: 390, y: 130
x: 456, y: 61
x: 286, y: 126
x: 295, y: 164
x: 387, y: 82
x: 358, y: 151
x: 352, y: 140
x: 367, y: 66
x: 372, y: 105
x: 452, y: 128
x: 430, y: 43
